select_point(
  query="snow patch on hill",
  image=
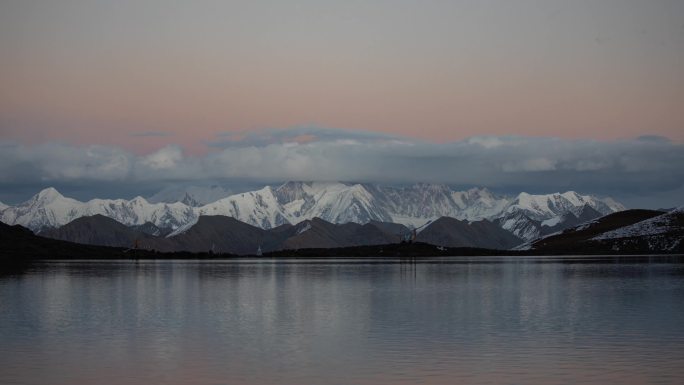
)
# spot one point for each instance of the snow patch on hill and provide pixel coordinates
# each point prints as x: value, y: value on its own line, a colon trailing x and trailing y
x: 184, y: 227
x: 659, y: 225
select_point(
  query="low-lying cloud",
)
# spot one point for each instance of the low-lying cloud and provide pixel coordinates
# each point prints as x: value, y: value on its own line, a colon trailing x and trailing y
x: 642, y: 167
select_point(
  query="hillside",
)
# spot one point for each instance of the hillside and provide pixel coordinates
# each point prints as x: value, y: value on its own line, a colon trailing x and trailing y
x: 630, y: 231
x: 451, y: 232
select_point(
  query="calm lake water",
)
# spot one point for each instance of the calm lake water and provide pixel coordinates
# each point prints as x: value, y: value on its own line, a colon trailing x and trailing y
x: 443, y: 321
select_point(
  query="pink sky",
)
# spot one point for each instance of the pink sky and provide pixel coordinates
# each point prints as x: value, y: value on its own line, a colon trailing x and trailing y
x: 99, y: 74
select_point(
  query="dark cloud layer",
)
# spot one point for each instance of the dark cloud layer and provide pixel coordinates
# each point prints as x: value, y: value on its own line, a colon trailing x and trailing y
x: 648, y: 170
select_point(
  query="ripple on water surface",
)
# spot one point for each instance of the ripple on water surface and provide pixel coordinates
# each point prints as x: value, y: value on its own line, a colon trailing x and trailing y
x: 474, y: 321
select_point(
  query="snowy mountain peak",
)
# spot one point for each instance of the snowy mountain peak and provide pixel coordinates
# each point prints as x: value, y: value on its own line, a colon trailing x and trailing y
x: 613, y: 205
x: 139, y: 200
x: 49, y: 194
x: 259, y: 208
x: 189, y: 200
x: 574, y: 198
x: 542, y: 207
x: 290, y: 191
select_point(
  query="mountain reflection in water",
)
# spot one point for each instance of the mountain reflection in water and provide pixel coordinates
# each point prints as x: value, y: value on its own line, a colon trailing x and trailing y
x: 447, y: 320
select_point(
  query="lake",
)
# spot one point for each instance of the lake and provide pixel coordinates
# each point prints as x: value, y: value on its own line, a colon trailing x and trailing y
x: 507, y: 320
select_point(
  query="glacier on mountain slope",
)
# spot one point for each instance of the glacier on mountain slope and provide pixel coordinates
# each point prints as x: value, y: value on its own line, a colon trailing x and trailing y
x: 333, y: 202
x: 336, y: 202
x: 518, y: 223
x: 545, y: 207
x: 259, y: 208
x: 421, y: 203
x: 527, y: 214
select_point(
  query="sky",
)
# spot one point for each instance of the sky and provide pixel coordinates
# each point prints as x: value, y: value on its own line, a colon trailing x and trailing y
x: 125, y: 97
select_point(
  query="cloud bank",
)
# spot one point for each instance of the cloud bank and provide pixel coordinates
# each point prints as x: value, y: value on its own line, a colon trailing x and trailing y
x: 637, y: 168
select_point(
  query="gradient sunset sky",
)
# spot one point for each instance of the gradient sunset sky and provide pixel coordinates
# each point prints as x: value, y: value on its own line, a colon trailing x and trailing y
x: 198, y: 77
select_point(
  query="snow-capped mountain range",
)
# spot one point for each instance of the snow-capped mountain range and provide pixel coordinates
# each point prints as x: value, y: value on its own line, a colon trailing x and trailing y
x: 335, y: 202
x: 49, y: 209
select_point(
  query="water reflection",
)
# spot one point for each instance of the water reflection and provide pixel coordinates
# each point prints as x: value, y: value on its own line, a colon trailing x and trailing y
x: 265, y: 322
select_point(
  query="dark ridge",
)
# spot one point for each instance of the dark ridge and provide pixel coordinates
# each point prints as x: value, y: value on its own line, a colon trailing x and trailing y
x: 222, y: 234
x: 390, y: 228
x: 320, y: 234
x: 588, y: 214
x: 452, y: 232
x: 101, y: 231
x: 150, y: 228
x: 225, y: 235
x: 18, y: 245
